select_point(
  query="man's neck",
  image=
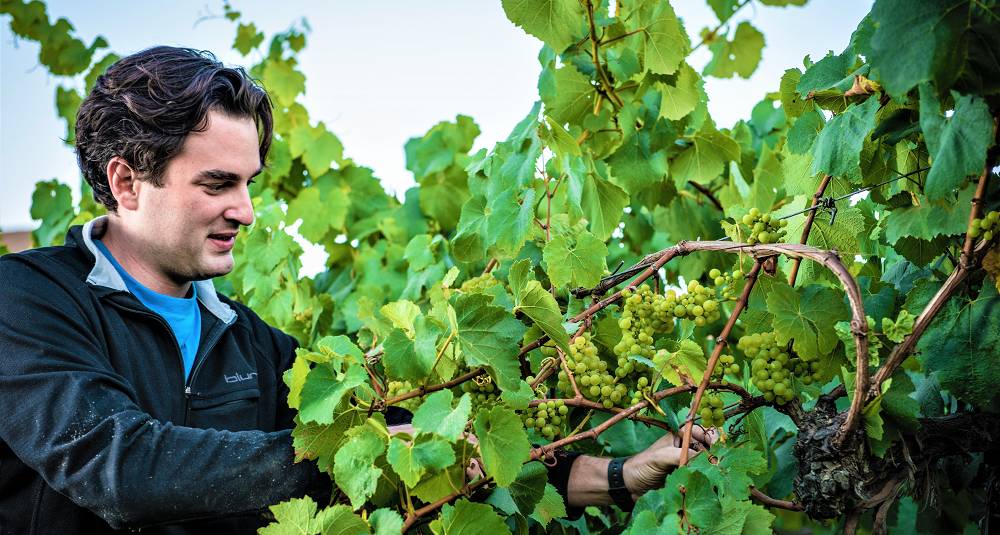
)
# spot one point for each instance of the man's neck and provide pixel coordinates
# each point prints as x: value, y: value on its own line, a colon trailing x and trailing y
x: 122, y: 247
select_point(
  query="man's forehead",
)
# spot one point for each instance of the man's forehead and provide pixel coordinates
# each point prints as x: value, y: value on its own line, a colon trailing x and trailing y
x: 227, y: 149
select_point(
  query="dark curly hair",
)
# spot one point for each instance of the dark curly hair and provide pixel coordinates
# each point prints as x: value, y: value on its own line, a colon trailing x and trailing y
x: 144, y: 106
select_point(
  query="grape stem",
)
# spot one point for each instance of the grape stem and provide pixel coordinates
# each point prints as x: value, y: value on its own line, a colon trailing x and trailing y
x: 490, y: 265
x: 609, y: 89
x: 708, y: 194
x: 720, y: 343
x: 764, y: 499
x: 722, y: 23
x: 569, y: 374
x: 412, y: 518
x: 424, y: 390
x: 977, y: 206
x: 793, y: 273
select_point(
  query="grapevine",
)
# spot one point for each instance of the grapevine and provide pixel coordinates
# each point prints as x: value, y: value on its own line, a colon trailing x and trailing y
x: 850, y: 165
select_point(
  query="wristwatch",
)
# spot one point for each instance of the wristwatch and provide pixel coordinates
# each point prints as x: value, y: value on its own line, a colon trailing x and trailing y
x: 616, y: 484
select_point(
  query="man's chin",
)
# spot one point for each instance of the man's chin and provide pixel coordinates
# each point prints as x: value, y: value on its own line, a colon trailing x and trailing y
x: 217, y: 267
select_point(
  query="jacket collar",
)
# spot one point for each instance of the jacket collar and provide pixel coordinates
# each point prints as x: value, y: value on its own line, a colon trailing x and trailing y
x: 104, y: 273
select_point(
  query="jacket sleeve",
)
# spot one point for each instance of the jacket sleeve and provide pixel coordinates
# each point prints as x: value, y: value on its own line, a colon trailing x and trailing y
x: 70, y: 417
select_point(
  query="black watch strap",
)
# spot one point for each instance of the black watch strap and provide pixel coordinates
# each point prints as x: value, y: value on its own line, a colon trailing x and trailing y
x: 616, y: 484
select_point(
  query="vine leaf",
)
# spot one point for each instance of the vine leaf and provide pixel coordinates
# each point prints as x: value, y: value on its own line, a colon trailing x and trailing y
x: 958, y: 144
x: 489, y: 336
x: 411, y: 460
x: 960, y: 346
x: 684, y: 490
x: 664, y: 39
x: 681, y: 98
x: 731, y: 474
x: 706, y: 156
x: 837, y: 150
x: 935, y: 26
x: 603, y: 203
x: 295, y: 379
x: 354, y: 467
x: 929, y: 220
x: 468, y: 518
x: 323, y: 390
x: 436, y: 415
x: 550, y: 507
x: 808, y: 315
x: 529, y: 487
x: 739, y: 56
x: 386, y: 522
x: 741, y: 517
x: 283, y: 82
x: 537, y: 303
x: 247, y: 38
x: 831, y: 72
x: 321, y: 441
x: 685, y: 365
x: 411, y: 358
x: 556, y: 22
x: 576, y: 260
x: 294, y: 516
x: 340, y: 520
x: 503, y: 443
x: 567, y: 94
x: 300, y: 517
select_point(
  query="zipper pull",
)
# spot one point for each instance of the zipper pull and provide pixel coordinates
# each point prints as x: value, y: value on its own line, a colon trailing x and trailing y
x: 187, y: 391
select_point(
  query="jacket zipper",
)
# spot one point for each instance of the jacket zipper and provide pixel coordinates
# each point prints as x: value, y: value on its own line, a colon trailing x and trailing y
x: 214, y: 336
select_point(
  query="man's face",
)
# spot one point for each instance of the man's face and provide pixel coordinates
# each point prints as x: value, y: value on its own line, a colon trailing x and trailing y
x: 188, y: 226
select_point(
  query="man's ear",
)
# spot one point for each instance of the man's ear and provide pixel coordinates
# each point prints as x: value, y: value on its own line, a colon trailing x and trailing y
x: 123, y: 182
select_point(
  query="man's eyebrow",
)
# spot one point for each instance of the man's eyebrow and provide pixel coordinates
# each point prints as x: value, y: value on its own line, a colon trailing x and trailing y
x: 218, y: 174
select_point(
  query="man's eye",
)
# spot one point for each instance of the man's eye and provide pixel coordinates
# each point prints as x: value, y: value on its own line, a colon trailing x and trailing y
x: 216, y: 187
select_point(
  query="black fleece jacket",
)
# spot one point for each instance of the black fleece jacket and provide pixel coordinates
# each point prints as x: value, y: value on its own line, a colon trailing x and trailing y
x: 98, y: 429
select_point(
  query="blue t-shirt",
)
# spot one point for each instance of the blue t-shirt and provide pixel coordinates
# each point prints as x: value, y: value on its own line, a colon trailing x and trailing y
x: 181, y: 313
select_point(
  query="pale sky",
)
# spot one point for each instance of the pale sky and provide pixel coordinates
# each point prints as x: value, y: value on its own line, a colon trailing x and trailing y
x: 378, y: 72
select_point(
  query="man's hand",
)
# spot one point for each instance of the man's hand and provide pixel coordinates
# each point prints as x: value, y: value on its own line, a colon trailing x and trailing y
x: 588, y: 480
x: 647, y: 469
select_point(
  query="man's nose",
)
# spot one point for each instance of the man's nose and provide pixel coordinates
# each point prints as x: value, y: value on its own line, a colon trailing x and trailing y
x: 242, y: 209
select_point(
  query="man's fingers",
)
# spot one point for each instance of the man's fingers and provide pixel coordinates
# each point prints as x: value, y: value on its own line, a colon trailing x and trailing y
x: 474, y: 470
x: 698, y: 433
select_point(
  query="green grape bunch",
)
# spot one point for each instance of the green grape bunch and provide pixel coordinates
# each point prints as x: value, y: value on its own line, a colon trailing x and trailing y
x: 483, y: 392
x: 395, y: 388
x: 726, y: 366
x: 592, y: 374
x: 549, y: 418
x: 773, y: 367
x: 985, y: 226
x: 726, y: 282
x: 764, y: 228
x: 699, y: 304
x: 711, y: 410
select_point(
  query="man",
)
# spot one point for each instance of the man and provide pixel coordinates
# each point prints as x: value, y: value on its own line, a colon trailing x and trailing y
x: 115, y: 348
